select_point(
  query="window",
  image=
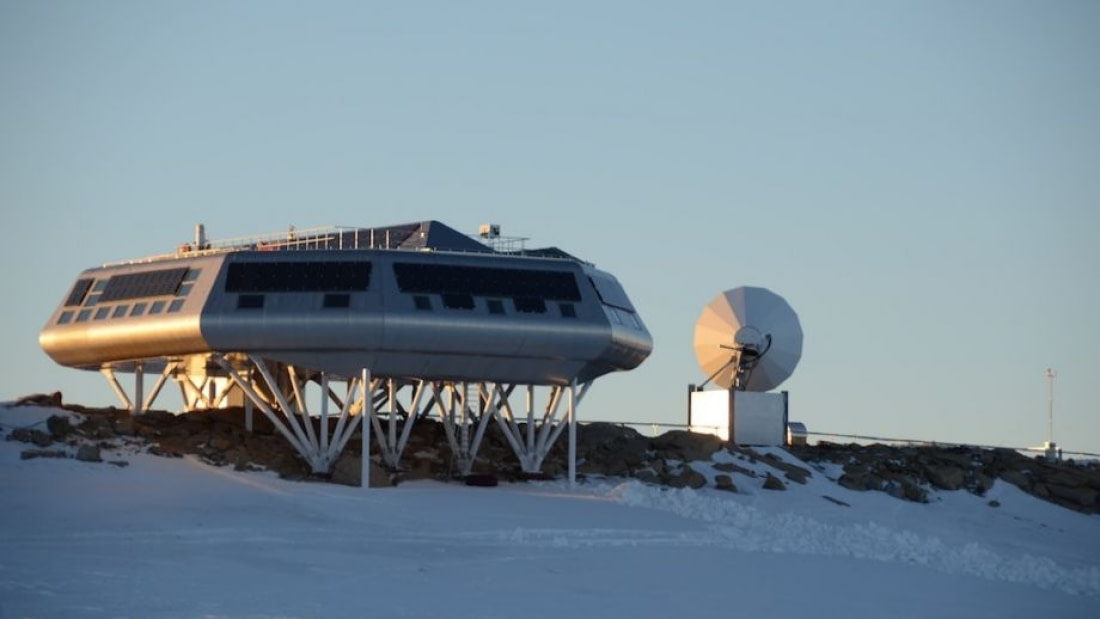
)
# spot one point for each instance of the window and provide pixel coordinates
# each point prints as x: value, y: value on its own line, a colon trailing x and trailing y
x: 102, y: 313
x: 158, y: 307
x: 250, y: 301
x: 568, y: 310
x: 530, y: 305
x: 175, y: 306
x: 66, y: 318
x: 92, y: 300
x: 139, y: 309
x: 455, y: 300
x: 336, y: 301
x: 192, y: 275
x: 84, y: 315
x: 100, y: 285
x: 184, y: 289
x: 496, y: 306
x: 120, y: 311
x: 422, y: 302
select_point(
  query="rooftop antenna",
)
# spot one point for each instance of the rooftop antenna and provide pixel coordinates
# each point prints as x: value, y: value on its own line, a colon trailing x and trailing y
x: 1051, y: 375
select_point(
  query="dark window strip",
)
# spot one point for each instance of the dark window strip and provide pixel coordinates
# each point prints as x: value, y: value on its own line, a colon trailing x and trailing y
x: 486, y: 281
x: 328, y: 276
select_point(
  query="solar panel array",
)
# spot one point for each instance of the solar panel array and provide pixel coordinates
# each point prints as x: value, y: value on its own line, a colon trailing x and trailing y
x: 286, y: 276
x: 448, y: 279
x: 146, y: 284
x: 79, y: 291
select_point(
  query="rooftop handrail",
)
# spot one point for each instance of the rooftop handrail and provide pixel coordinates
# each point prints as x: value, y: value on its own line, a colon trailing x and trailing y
x: 321, y: 237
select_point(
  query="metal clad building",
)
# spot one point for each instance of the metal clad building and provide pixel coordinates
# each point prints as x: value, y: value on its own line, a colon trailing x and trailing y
x: 416, y: 302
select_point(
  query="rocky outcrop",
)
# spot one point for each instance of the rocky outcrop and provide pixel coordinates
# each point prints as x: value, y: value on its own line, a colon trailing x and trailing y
x: 912, y: 472
x: 674, y: 459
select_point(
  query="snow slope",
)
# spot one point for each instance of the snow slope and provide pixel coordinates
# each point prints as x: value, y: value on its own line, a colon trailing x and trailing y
x: 179, y: 538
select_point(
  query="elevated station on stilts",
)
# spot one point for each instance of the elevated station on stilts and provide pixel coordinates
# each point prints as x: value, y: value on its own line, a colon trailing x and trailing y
x: 385, y: 325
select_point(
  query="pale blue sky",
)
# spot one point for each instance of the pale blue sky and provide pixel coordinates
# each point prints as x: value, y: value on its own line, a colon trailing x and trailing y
x: 920, y: 180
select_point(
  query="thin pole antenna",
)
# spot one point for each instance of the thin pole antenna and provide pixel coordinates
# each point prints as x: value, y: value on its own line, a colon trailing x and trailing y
x: 1051, y: 375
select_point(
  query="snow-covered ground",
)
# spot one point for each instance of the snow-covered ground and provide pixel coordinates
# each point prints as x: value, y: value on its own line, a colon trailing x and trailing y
x: 178, y: 538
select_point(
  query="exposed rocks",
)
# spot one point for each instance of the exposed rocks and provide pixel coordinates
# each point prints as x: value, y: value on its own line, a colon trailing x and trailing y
x: 911, y: 472
x: 724, y: 482
x: 30, y: 435
x: 88, y: 453
x: 771, y: 482
x: 908, y: 473
x: 686, y: 446
x: 30, y: 454
x: 51, y: 400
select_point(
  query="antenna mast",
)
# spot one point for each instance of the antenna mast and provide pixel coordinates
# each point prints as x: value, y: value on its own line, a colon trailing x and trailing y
x: 1051, y: 375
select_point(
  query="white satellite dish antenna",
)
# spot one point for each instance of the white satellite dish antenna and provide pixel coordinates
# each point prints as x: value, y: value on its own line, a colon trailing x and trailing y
x: 748, y: 339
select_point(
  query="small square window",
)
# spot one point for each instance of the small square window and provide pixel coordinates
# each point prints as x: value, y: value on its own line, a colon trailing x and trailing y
x: 530, y: 305
x: 250, y: 301
x: 568, y: 311
x: 99, y: 285
x: 120, y: 311
x: 191, y: 275
x: 496, y: 306
x: 175, y: 306
x: 92, y: 300
x: 84, y: 315
x: 139, y: 309
x: 158, y: 307
x: 66, y: 318
x: 102, y: 313
x: 455, y: 300
x: 422, y: 302
x: 337, y: 301
x: 183, y: 290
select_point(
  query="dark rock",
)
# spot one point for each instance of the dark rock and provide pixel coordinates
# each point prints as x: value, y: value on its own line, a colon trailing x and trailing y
x: 483, y: 480
x: 994, y: 503
x: 96, y: 427
x: 686, y: 478
x: 88, y: 453
x: 837, y: 501
x: 724, y: 482
x: 946, y: 477
x: 791, y: 472
x: 59, y: 427
x: 30, y: 454
x: 51, y: 400
x: 1018, y: 479
x: 348, y: 471
x: 771, y: 482
x: 30, y: 435
x: 1080, y: 495
x: 686, y: 446
x: 730, y: 467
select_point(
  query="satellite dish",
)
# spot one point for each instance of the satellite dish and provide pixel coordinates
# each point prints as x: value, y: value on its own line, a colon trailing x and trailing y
x: 748, y: 339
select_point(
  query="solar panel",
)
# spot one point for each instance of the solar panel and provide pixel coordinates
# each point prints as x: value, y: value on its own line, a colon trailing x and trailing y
x: 486, y: 281
x: 80, y: 289
x: 328, y: 276
x: 140, y: 285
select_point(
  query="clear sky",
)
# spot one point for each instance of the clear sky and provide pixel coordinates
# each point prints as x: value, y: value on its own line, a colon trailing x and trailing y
x: 919, y: 180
